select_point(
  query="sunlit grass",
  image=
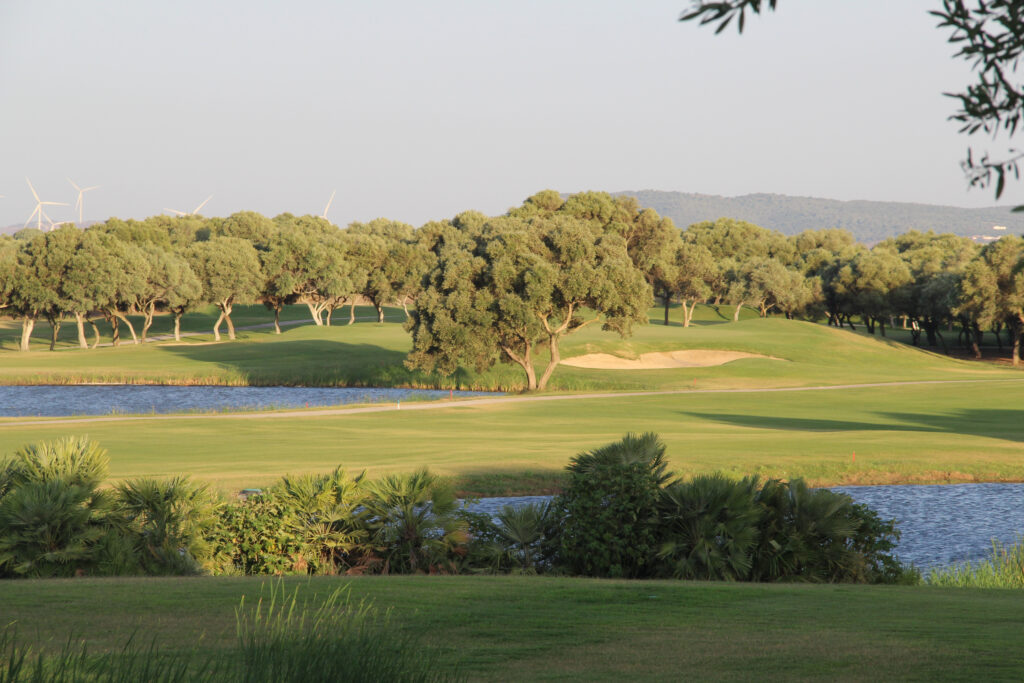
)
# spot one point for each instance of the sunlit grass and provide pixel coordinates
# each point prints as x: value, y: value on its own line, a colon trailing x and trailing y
x: 1003, y: 568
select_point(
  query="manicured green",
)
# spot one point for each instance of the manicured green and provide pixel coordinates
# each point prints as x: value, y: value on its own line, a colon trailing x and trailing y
x: 526, y: 628
x: 915, y: 433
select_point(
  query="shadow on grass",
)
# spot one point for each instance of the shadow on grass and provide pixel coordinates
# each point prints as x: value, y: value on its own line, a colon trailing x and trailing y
x: 317, y: 363
x: 995, y: 424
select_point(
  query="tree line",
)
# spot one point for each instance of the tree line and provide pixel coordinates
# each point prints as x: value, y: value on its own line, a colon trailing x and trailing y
x: 478, y: 290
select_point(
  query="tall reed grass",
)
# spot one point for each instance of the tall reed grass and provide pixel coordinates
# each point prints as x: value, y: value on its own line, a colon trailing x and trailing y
x: 1003, y: 568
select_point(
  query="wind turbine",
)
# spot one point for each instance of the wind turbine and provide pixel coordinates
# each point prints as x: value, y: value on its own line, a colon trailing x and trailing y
x: 81, y: 191
x: 328, y: 207
x: 39, y: 214
x: 193, y: 211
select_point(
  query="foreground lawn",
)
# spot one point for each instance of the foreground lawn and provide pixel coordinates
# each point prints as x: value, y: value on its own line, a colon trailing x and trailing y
x: 969, y: 431
x: 526, y: 628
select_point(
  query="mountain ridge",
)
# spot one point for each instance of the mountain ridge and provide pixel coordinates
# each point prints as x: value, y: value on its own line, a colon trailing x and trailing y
x: 869, y: 221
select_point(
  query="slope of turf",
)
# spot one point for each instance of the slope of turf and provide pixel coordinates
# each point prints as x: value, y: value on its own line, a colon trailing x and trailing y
x: 371, y: 354
x: 528, y: 628
x: 963, y: 431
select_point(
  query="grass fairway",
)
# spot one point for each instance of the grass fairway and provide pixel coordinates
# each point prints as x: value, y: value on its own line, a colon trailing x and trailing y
x: 915, y: 433
x: 966, y: 431
x: 371, y: 354
x: 527, y: 628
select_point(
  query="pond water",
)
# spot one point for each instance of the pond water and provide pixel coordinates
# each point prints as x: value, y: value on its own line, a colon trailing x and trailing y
x: 103, y: 399
x: 941, y: 525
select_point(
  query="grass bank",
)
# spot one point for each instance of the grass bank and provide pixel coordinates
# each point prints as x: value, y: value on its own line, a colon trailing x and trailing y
x: 968, y: 431
x: 525, y: 628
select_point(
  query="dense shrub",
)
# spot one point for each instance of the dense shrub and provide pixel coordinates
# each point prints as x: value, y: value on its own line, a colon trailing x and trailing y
x: 620, y: 515
x: 610, y: 508
x: 258, y: 536
x: 709, y: 528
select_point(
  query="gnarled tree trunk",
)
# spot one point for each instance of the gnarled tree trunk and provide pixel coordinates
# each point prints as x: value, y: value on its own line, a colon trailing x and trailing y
x: 27, y: 323
x: 80, y: 324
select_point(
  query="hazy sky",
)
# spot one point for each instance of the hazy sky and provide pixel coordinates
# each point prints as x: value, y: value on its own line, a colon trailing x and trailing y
x: 418, y: 110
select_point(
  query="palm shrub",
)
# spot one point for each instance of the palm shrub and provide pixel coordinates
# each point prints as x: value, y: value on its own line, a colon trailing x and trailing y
x: 74, y: 460
x: 819, y: 535
x: 516, y: 542
x: 327, y: 516
x: 609, y: 508
x: 54, y: 521
x: 414, y: 524
x: 709, y: 528
x: 170, y: 521
x: 50, y: 528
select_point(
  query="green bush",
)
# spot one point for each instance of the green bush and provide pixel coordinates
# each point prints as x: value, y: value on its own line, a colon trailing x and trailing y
x: 414, y: 524
x: 258, y: 536
x: 609, y: 508
x: 709, y: 528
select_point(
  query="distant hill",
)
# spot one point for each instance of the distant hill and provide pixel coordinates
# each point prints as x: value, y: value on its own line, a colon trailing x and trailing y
x: 869, y: 222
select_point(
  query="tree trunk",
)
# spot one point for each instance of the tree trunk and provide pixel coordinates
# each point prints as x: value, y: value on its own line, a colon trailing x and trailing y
x: 216, y: 326
x: 352, y: 312
x: 80, y: 324
x: 688, y: 312
x: 668, y: 300
x: 131, y: 328
x: 881, y: 326
x: 526, y: 363
x: 27, y: 323
x: 330, y: 314
x: 1015, y: 330
x: 405, y: 306
x: 736, y: 313
x: 95, y: 334
x: 315, y: 312
x: 227, y: 319
x: 115, y: 331
x: 147, y: 320
x: 177, y: 327
x: 277, y: 320
x: 556, y: 356
x: 54, y: 330
x: 380, y: 312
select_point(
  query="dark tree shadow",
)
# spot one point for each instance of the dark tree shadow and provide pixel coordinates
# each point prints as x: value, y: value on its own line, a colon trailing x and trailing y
x: 992, y: 423
x: 312, y: 362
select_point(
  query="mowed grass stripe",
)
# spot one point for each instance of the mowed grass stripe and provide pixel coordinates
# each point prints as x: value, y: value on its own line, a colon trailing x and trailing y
x: 913, y: 433
x: 527, y: 628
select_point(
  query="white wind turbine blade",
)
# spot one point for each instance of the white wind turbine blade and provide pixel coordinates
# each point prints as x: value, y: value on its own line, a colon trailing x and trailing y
x: 32, y: 215
x: 94, y: 187
x: 54, y: 203
x: 328, y: 207
x: 196, y: 210
x: 77, y: 188
x: 180, y: 213
x: 32, y: 188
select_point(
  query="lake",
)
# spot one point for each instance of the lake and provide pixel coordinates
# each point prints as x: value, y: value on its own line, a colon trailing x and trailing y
x: 103, y: 399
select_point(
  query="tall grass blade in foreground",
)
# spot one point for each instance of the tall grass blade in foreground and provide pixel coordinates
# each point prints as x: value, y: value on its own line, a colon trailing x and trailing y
x: 334, y: 640
x: 1003, y: 568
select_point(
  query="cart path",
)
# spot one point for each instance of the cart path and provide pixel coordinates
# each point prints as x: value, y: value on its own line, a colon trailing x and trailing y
x: 475, y: 402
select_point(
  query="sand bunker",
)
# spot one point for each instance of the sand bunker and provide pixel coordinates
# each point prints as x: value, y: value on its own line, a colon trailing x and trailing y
x: 693, y: 358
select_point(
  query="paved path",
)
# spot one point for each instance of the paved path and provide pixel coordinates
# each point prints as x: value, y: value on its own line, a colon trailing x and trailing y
x: 474, y: 402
